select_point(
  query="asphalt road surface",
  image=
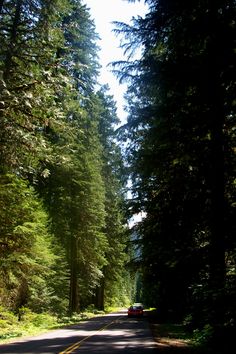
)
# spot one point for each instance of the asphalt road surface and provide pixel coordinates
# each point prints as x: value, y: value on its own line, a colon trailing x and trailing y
x: 113, y: 333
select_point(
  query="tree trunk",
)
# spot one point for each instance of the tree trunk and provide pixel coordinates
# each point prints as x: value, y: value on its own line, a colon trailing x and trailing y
x: 217, y: 266
x: 99, y: 301
x: 217, y: 224
x: 74, y: 288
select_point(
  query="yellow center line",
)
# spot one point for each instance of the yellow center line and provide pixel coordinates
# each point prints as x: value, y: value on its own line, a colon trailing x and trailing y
x: 77, y: 344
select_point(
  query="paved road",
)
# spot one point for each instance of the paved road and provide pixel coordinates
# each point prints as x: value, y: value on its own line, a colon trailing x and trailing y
x: 113, y: 333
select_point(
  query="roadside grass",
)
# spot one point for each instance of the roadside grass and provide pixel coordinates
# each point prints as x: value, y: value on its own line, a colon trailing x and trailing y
x: 28, y: 323
x: 171, y: 334
x: 173, y: 338
x: 111, y: 309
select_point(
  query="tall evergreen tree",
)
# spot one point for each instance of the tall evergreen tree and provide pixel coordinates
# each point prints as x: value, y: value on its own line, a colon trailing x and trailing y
x: 27, y: 57
x: 181, y: 152
x: 75, y: 192
x: 26, y: 254
x: 114, y: 285
x: 26, y: 64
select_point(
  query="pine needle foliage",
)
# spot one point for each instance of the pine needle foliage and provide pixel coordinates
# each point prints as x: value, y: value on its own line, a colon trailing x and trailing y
x: 180, y: 137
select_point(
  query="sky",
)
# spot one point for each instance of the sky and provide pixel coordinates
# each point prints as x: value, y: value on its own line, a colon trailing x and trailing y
x: 103, y: 12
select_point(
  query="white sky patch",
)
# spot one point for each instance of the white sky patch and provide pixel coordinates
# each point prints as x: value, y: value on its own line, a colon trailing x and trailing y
x: 136, y: 219
x: 104, y: 12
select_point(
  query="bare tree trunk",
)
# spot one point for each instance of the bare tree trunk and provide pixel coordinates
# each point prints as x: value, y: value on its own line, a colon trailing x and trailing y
x: 217, y: 265
x: 74, y: 288
x: 100, y: 296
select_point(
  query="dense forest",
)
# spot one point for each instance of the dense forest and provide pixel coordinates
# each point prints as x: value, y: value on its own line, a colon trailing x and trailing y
x: 63, y: 228
x: 181, y: 156
x: 64, y: 165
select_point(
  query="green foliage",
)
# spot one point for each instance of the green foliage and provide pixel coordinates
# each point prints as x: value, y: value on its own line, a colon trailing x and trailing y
x: 27, y: 322
x: 26, y: 253
x: 181, y: 155
x: 204, y: 336
x: 7, y: 317
x: 27, y: 59
x: 43, y: 321
x: 24, y: 323
x: 55, y: 244
x: 114, y: 287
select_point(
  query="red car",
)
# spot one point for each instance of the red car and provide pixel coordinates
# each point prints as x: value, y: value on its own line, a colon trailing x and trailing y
x: 135, y: 311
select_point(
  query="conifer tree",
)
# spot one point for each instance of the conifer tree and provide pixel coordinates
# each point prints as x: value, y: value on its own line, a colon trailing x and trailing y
x: 181, y: 153
x: 26, y: 253
x: 27, y: 101
x: 114, y: 287
x: 74, y: 190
